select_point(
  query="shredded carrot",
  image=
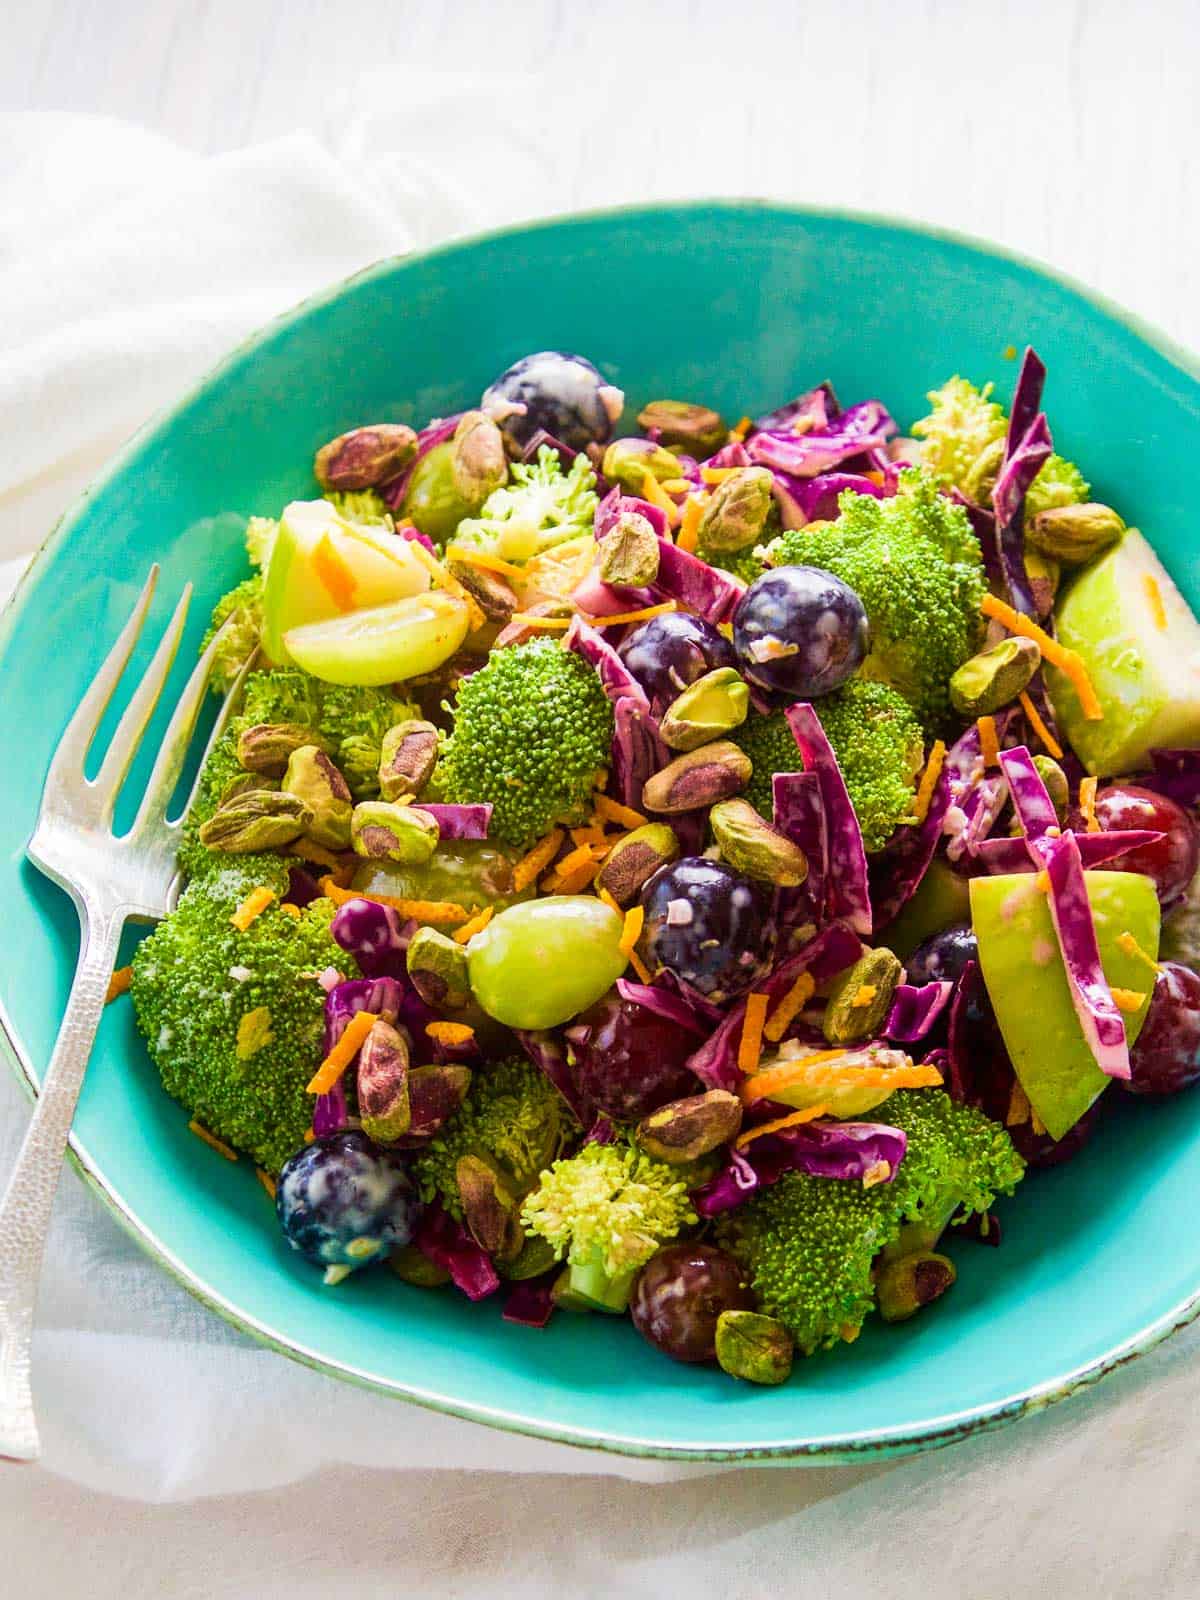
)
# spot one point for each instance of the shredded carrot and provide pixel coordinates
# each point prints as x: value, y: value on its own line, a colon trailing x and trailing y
x: 531, y: 865
x: 677, y: 485
x: 610, y: 902
x: 333, y: 574
x: 267, y: 1181
x: 989, y: 744
x: 644, y: 615
x: 1042, y: 881
x: 211, y: 1139
x: 1087, y: 803
x: 590, y: 833
x: 740, y: 429
x: 476, y: 925
x: 450, y: 1033
x: 653, y: 491
x: 480, y: 558
x: 1128, y: 1000
x: 644, y: 974
x: 875, y: 477
x: 1068, y: 662
x: 613, y: 812
x: 865, y: 994
x: 789, y: 1007
x: 419, y: 910
x: 809, y: 1114
x: 118, y: 984
x: 929, y: 781
x: 1131, y: 947
x: 750, y: 1044
x: 850, y: 1331
x: 343, y: 1052
x: 579, y: 857
x: 254, y: 1032
x: 306, y: 850
x: 1036, y: 1123
x: 718, y: 474
x: 310, y: 1135
x: 1052, y: 745
x: 821, y: 1070
x: 446, y: 580
x: 528, y: 620
x: 631, y: 930
x: 290, y: 909
x: 689, y: 526
x: 1018, y: 1106
x: 576, y: 881
x: 255, y: 903
x: 1154, y: 594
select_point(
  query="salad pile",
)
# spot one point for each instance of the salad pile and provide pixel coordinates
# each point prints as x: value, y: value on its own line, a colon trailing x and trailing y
x: 686, y: 872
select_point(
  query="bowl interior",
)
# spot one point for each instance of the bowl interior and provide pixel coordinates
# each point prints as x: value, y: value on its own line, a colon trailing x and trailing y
x: 740, y: 306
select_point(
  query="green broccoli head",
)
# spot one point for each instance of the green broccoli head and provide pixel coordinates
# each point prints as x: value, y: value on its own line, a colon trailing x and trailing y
x: 877, y: 741
x: 540, y: 507
x: 362, y: 505
x: 243, y: 604
x: 513, y: 1117
x: 914, y: 563
x: 260, y: 540
x: 809, y: 1244
x: 532, y: 732
x: 233, y: 1021
x: 353, y: 719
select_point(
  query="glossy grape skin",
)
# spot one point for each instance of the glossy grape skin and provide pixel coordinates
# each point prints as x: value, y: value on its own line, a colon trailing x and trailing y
x: 1166, y: 1057
x: 628, y: 1061
x: 670, y: 652
x: 1172, y: 862
x: 680, y: 1293
x: 799, y: 631
x: 538, y: 964
x: 342, y: 1201
x: 561, y: 394
x: 943, y: 955
x: 728, y: 939
x: 1040, y: 1150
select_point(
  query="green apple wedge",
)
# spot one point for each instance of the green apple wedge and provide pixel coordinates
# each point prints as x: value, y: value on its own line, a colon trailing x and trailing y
x: 1027, y: 983
x: 1140, y: 644
x: 323, y: 565
x: 385, y: 644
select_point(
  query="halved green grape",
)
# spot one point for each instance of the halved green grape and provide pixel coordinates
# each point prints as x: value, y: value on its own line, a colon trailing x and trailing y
x: 541, y: 963
x: 386, y: 644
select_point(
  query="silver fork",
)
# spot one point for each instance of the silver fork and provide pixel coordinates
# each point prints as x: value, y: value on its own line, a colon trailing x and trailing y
x: 110, y: 879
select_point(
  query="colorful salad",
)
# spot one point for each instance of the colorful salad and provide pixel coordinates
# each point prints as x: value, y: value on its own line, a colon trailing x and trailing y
x: 691, y: 872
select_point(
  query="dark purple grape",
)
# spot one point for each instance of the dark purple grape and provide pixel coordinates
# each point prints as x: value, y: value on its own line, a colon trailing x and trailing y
x: 680, y: 1293
x: 1172, y: 862
x: 1166, y: 1057
x: 669, y: 652
x: 563, y: 394
x: 342, y: 1201
x: 943, y: 955
x: 628, y: 1060
x: 708, y: 925
x: 799, y: 631
x: 1040, y: 1150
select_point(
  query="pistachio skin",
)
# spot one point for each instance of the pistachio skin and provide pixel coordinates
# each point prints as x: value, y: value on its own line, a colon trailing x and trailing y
x: 364, y: 457
x: 709, y: 708
x: 437, y: 966
x: 1074, y: 534
x: 738, y: 511
x: 848, y: 1020
x: 381, y: 831
x: 312, y: 777
x: 753, y: 846
x: 257, y: 819
x: 1058, y: 784
x: 635, y: 859
x: 698, y: 430
x: 698, y: 779
x: 995, y: 677
x: 754, y: 1347
x: 903, y: 1286
x: 491, y: 1210
x: 408, y: 755
x: 478, y: 460
x: 629, y: 553
x: 687, y: 1129
x: 383, y: 1101
x: 266, y: 747
x: 435, y: 1093
x: 627, y: 461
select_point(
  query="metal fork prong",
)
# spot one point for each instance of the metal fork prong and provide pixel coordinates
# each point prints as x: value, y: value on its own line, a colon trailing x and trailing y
x: 67, y: 762
x: 136, y: 717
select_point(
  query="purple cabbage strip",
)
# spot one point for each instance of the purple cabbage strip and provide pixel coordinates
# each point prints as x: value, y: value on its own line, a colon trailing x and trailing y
x: 1001, y: 856
x: 712, y: 593
x: 983, y: 526
x: 615, y: 677
x: 975, y: 797
x: 530, y: 1304
x: 599, y: 599
x: 331, y: 1113
x: 1026, y: 400
x: 664, y: 1003
x: 850, y: 895
x: 384, y: 996
x: 846, y: 1150
x: 460, y: 821
x: 601, y: 1131
x: 1030, y: 797
x: 818, y: 407
x: 733, y: 454
x: 690, y: 469
x: 617, y: 503
x: 799, y: 814
x: 916, y: 1009
x: 816, y: 499
x: 302, y: 888
x: 434, y: 433
x: 1176, y: 774
x: 673, y: 984
x: 958, y: 1068
x: 1102, y: 1023
x: 637, y: 750
x: 804, y: 455
x: 1008, y: 501
x: 896, y: 872
x: 549, y: 1055
x: 565, y: 454
x: 448, y: 1245
x: 376, y: 936
x: 415, y: 536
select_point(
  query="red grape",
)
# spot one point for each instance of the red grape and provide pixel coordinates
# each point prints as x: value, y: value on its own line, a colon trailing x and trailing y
x: 1172, y: 862
x: 680, y: 1293
x: 627, y: 1060
x: 1166, y: 1057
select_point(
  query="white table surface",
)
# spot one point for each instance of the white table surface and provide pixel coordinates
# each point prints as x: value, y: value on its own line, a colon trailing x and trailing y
x: 1067, y: 130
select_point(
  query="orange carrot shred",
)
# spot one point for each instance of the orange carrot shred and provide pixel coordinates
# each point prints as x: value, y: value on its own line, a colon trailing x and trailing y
x: 333, y: 574
x: 809, y: 1114
x: 1018, y: 1106
x: 1052, y: 745
x: 267, y: 1181
x: 740, y: 429
x: 765, y: 1084
x: 211, y: 1139
x: 611, y: 811
x: 480, y: 558
x: 450, y: 1033
x: 644, y: 615
x: 535, y: 861
x: 290, y: 909
x: 446, y: 580
x: 1068, y: 662
x: 631, y: 930
x: 789, y: 1007
x: 611, y: 903
x: 1131, y: 947
x: 581, y: 856
x: 1087, y: 803
x: 689, y: 527
x: 653, y: 491
x: 929, y: 781
x: 1042, y: 881
x: 575, y: 881
x: 419, y: 910
x: 476, y: 925
x: 989, y: 744
x: 343, y: 1052
x: 1154, y: 595
x: 750, y: 1043
x: 1128, y: 1000
x: 644, y: 974
x: 255, y: 903
x: 306, y: 850
x: 118, y: 984
x: 716, y: 475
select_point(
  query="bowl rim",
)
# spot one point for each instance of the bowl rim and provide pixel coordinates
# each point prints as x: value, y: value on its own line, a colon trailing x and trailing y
x: 846, y: 1447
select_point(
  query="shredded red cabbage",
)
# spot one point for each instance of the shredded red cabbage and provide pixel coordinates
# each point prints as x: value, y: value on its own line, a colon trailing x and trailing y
x: 815, y: 408
x: 708, y: 591
x: 540, y: 438
x: 1002, y: 856
x: 531, y: 1303
x: 448, y: 1245
x: 376, y: 936
x: 804, y: 500
x: 1008, y: 500
x: 846, y: 1150
x: 549, y: 1055
x: 637, y: 750
x: 664, y: 1003
x: 330, y: 1111
x: 1102, y: 1023
x: 799, y: 815
x: 384, y: 996
x: 617, y: 503
x: 804, y: 455
x: 615, y: 677
x: 461, y: 821
x: 916, y: 1009
x: 849, y: 891
x: 1026, y: 400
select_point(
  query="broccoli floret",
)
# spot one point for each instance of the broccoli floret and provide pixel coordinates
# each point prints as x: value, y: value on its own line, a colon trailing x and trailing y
x: 232, y: 1020
x: 743, y: 564
x: 963, y: 424
x: 876, y: 739
x: 353, y: 719
x: 260, y: 540
x: 914, y: 563
x: 539, y: 508
x: 608, y: 1209
x: 513, y: 1117
x: 244, y: 605
x: 808, y: 1244
x: 362, y: 505
x: 532, y: 731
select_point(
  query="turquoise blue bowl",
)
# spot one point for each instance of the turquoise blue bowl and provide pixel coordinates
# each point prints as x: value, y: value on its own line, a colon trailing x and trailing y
x: 740, y: 305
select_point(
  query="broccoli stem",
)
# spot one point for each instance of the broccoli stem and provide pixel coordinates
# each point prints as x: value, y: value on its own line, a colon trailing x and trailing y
x: 602, y: 1290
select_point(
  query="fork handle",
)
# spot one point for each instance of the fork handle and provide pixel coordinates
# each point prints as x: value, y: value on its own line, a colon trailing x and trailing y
x: 25, y: 1209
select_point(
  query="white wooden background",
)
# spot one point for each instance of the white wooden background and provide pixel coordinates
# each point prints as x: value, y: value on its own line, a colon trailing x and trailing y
x: 1064, y: 128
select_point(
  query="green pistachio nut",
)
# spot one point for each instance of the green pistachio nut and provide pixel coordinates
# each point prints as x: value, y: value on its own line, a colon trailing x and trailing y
x: 259, y: 819
x: 980, y: 477
x: 858, y: 1006
x: 244, y: 783
x: 995, y: 677
x: 491, y: 1210
x: 365, y: 457
x: 434, y: 1094
x: 266, y: 747
x: 383, y: 1101
x: 754, y: 1347
x: 699, y: 778
x: 635, y: 859
x: 687, y: 1129
x: 407, y: 757
x: 738, y: 511
x: 1045, y: 575
x: 627, y: 461
x: 754, y: 847
x: 1074, y: 534
x: 535, y: 1256
x: 437, y: 966
x: 411, y: 1266
x: 902, y: 1287
x: 478, y: 462
x: 312, y: 777
x: 697, y: 430
x: 1057, y: 784
x: 629, y: 552
x: 707, y: 709
x: 381, y: 831
x: 497, y: 599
